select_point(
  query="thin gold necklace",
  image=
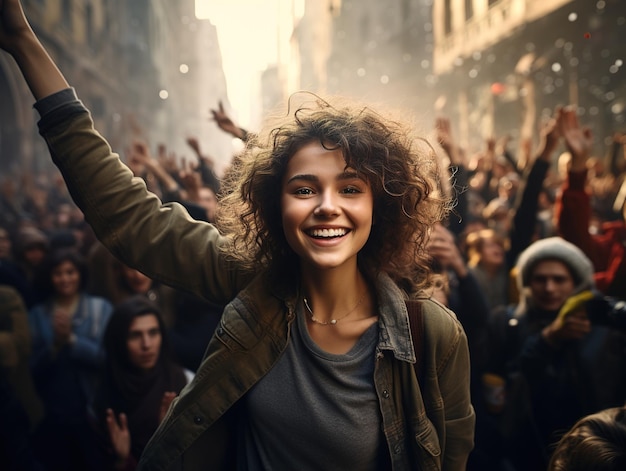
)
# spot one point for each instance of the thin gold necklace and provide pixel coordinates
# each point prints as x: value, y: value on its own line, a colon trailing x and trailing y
x: 332, y: 321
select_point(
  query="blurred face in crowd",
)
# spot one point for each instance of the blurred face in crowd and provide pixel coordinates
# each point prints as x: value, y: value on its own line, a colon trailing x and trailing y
x: 492, y: 252
x: 34, y: 254
x: 5, y: 244
x: 137, y: 281
x: 144, y: 341
x: 7, y: 188
x: 63, y: 216
x: 208, y: 201
x: 66, y: 279
x: 551, y: 283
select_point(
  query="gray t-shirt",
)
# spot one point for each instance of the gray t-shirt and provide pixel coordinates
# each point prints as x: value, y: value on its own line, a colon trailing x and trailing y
x: 314, y: 410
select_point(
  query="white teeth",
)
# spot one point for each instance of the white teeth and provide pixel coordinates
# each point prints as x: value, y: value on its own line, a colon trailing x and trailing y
x: 328, y: 232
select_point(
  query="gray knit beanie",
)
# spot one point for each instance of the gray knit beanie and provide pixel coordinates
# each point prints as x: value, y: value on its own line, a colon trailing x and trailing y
x: 556, y: 248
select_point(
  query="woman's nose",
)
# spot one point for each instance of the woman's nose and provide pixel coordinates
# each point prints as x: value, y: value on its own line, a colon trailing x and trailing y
x: 327, y: 205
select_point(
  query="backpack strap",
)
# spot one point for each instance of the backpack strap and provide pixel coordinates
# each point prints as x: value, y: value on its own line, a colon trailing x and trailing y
x: 416, y: 323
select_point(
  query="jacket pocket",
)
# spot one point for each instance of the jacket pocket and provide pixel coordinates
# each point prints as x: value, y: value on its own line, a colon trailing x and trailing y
x: 428, y: 449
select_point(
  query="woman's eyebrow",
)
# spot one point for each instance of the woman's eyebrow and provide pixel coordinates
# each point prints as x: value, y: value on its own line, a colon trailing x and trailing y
x: 347, y: 175
x: 303, y: 176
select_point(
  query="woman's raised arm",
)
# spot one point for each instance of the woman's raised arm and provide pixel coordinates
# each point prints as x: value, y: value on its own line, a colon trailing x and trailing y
x: 18, y: 39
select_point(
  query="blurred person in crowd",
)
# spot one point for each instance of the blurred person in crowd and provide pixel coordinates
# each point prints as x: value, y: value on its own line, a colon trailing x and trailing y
x: 556, y: 364
x: 11, y: 203
x: 11, y: 273
x: 6, y: 245
x: 207, y: 198
x: 21, y: 408
x: 597, y: 442
x: 546, y: 226
x: 332, y: 209
x: 66, y: 329
x: 606, y: 248
x: 30, y: 249
x: 205, y: 166
x: 486, y: 252
x: 139, y: 382
x: 182, y: 184
x: 189, y: 319
x: 130, y: 281
x: 462, y: 293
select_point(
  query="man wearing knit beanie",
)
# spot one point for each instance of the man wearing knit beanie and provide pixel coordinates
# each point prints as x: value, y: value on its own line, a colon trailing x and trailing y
x: 556, y: 368
x: 565, y: 271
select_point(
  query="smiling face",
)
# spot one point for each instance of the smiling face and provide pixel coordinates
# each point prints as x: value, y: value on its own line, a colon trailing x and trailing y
x: 66, y: 279
x: 326, y: 208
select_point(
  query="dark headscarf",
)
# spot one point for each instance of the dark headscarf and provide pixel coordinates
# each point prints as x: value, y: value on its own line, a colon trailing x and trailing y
x: 128, y: 389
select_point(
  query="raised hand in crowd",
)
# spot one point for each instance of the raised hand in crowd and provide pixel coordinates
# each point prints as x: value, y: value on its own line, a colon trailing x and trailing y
x: 119, y: 435
x: 191, y: 181
x: 139, y: 153
x: 443, y: 249
x: 549, y: 135
x: 578, y: 139
x: 445, y: 138
x: 226, y: 123
x: 525, y: 153
x: 205, y: 167
x: 193, y: 143
x: 18, y: 39
x: 167, y: 160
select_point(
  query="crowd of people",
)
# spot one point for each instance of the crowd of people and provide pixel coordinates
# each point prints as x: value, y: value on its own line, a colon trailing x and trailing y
x: 159, y: 278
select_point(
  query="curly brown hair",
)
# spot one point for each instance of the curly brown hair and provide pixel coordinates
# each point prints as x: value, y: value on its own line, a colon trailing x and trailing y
x: 401, y: 168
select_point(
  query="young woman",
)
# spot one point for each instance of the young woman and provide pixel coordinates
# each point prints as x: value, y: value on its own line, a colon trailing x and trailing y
x: 311, y: 366
x: 139, y: 382
x: 66, y: 331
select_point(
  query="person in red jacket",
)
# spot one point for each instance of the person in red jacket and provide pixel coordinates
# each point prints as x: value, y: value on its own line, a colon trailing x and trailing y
x: 606, y: 249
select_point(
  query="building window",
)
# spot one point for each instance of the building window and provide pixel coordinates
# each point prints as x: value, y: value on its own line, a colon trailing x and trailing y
x: 492, y: 2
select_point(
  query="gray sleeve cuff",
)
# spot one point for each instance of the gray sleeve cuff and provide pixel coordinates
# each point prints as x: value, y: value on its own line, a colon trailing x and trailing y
x: 56, y: 100
x: 57, y: 108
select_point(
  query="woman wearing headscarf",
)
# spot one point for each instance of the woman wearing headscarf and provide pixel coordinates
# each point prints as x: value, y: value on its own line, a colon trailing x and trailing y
x: 139, y: 382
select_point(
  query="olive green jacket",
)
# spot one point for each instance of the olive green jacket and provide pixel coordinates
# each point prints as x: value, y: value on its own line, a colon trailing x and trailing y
x: 428, y: 426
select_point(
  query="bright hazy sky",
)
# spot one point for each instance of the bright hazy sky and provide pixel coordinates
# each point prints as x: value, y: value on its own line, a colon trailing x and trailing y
x: 247, y: 32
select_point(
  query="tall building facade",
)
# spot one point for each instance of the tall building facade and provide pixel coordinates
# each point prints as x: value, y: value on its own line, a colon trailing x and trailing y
x: 503, y: 65
x: 145, y: 68
x: 495, y: 67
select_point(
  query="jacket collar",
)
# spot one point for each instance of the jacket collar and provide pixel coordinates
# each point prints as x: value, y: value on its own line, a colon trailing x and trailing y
x: 393, y: 320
